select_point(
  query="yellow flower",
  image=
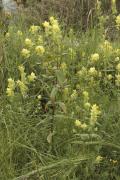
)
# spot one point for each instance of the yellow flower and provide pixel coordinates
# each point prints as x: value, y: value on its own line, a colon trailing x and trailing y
x: 92, y: 71
x: 95, y: 57
x: 7, y: 35
x: 74, y: 95
x: 10, y: 92
x: 39, y: 50
x: 99, y: 74
x: 39, y: 97
x: 66, y: 91
x: 19, y: 33
x: 83, y: 72
x: 33, y: 29
x: 28, y: 42
x: 40, y: 39
x: 11, y: 83
x: 63, y: 66
x: 55, y: 28
x: 46, y: 24
x: 85, y: 94
x: 118, y: 67
x: 78, y: 86
x: 107, y: 46
x: 117, y: 81
x: 23, y: 87
x: 11, y: 87
x: 25, y: 53
x: 21, y: 68
x: 118, y: 21
x: 113, y: 1
x: 32, y: 77
x: 117, y: 59
x: 99, y: 159
x: 22, y: 73
x: 84, y: 126
x: 77, y: 123
x: 87, y: 105
x: 109, y: 77
x: 52, y: 20
x: 114, y: 161
x: 95, y: 112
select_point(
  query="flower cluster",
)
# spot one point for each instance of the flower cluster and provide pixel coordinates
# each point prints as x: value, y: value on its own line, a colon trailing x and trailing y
x: 95, y: 57
x: 22, y: 83
x: 95, y: 112
x: 11, y: 87
x: 118, y: 21
x: 52, y: 28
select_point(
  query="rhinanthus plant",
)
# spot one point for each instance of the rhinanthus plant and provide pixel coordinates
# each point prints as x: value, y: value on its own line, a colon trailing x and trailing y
x: 60, y: 102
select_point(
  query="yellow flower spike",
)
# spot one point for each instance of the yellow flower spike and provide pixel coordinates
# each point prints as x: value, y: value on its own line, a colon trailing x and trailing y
x: 28, y: 42
x: 87, y: 105
x: 82, y: 72
x: 117, y: 81
x: 118, y: 67
x: 9, y: 92
x: 108, y: 45
x: 109, y: 77
x: 117, y: 59
x: 99, y: 74
x: 7, y: 35
x: 118, y: 21
x: 74, y: 95
x: 78, y: 123
x: 22, y: 74
x: 46, y: 24
x: 19, y: 33
x: 25, y: 53
x: 114, y: 161
x: 39, y: 97
x: 55, y: 28
x: 85, y: 94
x: 92, y: 71
x: 39, y: 50
x: 66, y: 91
x: 33, y: 29
x: 52, y: 19
x: 113, y: 1
x: 10, y: 88
x: 11, y: 83
x: 40, y: 39
x: 84, y: 126
x: 21, y: 68
x: 23, y: 87
x: 95, y: 112
x: 32, y: 77
x: 94, y: 57
x: 99, y: 159
x: 63, y: 66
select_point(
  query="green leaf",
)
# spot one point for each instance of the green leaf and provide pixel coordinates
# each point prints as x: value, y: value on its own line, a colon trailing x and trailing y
x: 53, y: 94
x: 49, y: 138
x: 60, y: 77
x: 63, y: 107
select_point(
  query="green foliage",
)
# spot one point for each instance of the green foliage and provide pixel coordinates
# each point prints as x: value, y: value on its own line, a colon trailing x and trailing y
x: 60, y: 102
